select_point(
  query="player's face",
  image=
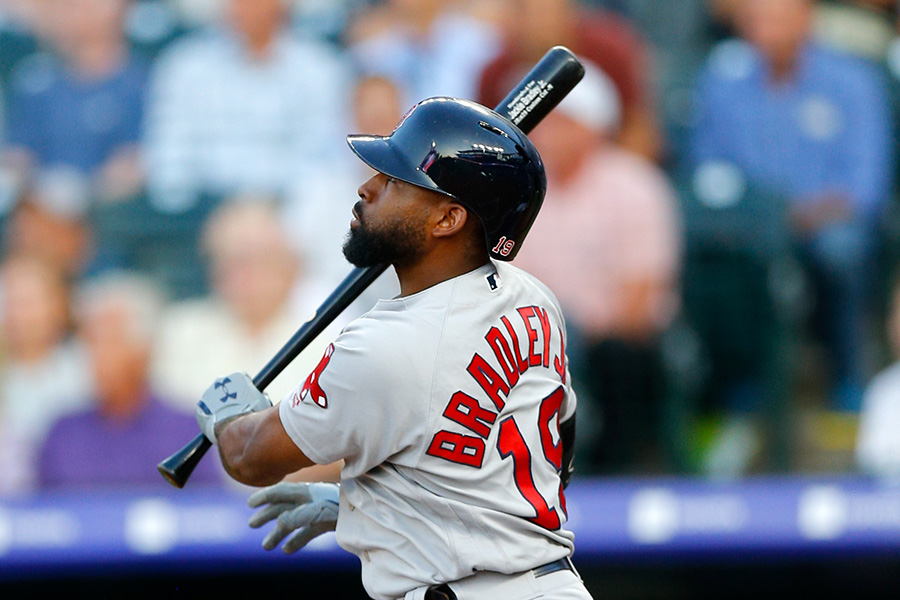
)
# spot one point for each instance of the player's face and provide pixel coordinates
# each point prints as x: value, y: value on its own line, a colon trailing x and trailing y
x: 389, y: 224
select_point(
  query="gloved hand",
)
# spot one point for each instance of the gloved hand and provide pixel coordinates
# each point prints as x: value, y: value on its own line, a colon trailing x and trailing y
x: 306, y: 509
x: 228, y: 397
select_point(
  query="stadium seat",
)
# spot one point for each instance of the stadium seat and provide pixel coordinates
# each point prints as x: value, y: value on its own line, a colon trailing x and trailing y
x: 889, y: 232
x: 742, y: 293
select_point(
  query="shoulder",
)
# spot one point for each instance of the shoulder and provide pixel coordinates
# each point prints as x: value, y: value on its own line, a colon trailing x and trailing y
x: 828, y: 57
x: 850, y: 72
x: 35, y: 75
x: 401, y: 332
x: 383, y: 346
x: 528, y: 284
x: 392, y: 326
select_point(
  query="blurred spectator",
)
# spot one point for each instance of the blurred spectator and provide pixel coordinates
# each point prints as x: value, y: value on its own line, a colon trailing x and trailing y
x: 678, y: 38
x: 878, y: 445
x: 195, y: 14
x: 723, y: 12
x: 608, y: 244
x: 128, y: 428
x: 319, y: 207
x: 260, y: 297
x: 377, y: 105
x: 17, y: 26
x: 44, y: 371
x: 80, y: 105
x: 877, y: 450
x: 48, y: 220
x: 246, y: 106
x: 427, y: 47
x: 813, y: 125
x: 607, y: 39
x: 861, y: 27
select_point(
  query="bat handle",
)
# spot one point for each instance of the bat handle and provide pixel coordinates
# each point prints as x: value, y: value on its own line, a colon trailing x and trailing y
x: 178, y: 468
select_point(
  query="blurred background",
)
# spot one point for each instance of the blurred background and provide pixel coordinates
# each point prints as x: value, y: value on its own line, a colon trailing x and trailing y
x: 722, y: 229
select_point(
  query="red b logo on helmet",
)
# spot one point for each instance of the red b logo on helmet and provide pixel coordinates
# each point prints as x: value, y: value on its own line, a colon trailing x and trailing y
x: 311, y: 387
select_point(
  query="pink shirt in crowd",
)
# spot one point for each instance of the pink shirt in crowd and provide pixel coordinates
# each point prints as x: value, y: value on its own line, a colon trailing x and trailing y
x: 616, y: 220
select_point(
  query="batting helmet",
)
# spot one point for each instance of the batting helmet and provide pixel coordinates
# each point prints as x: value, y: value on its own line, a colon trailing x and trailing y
x: 472, y: 154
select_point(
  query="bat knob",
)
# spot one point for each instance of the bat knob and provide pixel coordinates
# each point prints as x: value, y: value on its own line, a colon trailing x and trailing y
x: 178, y: 468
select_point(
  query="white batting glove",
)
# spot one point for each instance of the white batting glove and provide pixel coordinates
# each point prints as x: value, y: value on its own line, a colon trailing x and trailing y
x: 229, y: 396
x: 306, y: 509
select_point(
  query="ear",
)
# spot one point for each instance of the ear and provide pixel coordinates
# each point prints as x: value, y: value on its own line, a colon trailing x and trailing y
x: 452, y: 219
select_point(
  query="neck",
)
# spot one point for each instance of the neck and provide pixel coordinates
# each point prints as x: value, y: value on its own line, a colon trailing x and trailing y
x: 433, y: 270
x: 257, y: 322
x: 98, y: 59
x: 124, y: 404
x: 783, y: 65
x: 782, y: 71
x: 260, y: 46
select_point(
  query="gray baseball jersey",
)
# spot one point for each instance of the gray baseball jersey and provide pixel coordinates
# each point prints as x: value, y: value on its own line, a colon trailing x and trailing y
x: 445, y: 406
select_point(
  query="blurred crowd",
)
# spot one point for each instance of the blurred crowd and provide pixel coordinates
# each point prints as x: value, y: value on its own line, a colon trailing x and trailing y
x: 720, y: 226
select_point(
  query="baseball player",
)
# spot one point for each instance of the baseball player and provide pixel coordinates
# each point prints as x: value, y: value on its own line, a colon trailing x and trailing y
x: 450, y: 405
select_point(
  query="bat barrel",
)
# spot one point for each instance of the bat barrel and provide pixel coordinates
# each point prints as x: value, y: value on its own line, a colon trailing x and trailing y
x: 534, y: 97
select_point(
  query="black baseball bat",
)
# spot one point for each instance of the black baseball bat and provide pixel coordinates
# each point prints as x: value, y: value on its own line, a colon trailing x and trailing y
x: 545, y: 85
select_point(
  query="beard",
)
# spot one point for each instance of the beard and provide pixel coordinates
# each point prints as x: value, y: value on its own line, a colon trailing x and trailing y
x: 397, y: 242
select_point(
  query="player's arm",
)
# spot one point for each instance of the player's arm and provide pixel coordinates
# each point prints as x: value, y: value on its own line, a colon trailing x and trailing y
x: 241, y: 421
x: 330, y: 473
x: 256, y: 450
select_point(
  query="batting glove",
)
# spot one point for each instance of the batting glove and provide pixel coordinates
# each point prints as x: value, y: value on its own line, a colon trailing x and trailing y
x: 228, y: 397
x: 306, y: 509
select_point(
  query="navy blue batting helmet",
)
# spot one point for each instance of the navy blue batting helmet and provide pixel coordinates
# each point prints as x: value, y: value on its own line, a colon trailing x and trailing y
x: 472, y: 154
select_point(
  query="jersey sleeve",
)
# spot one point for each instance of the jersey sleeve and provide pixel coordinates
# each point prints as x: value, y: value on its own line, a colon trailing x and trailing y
x: 363, y: 401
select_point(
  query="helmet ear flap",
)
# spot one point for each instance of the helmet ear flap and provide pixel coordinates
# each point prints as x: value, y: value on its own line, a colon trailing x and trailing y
x: 472, y: 154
